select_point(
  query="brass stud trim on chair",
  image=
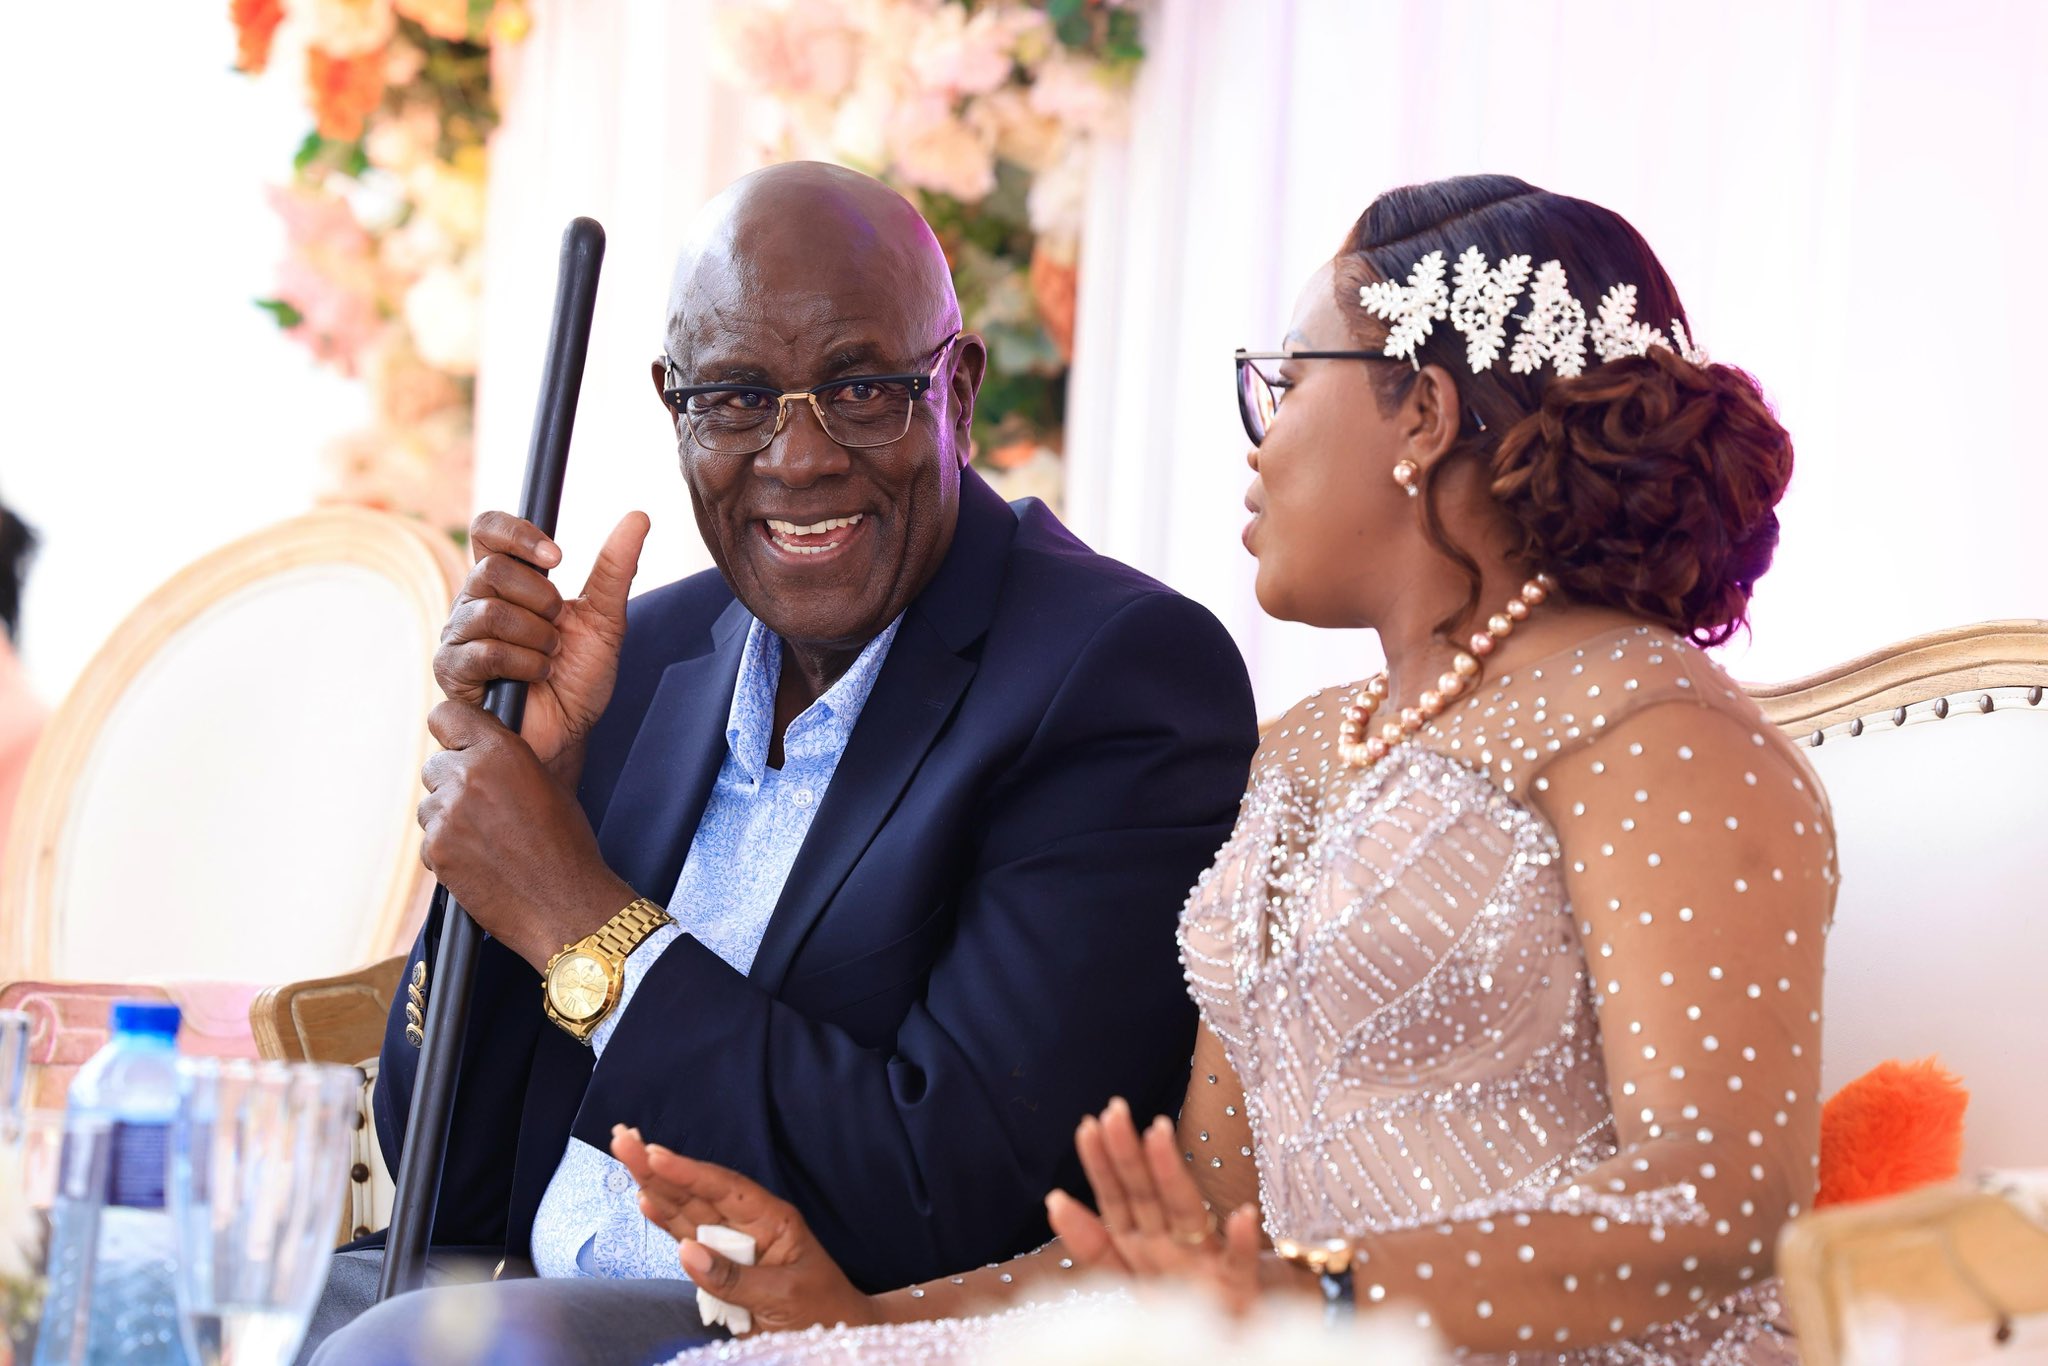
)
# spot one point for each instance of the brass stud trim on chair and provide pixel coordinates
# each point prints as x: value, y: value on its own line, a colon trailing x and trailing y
x: 1856, y: 726
x: 1941, y: 709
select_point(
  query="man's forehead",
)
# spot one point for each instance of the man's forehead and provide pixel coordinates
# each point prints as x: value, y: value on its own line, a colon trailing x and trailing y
x: 739, y: 318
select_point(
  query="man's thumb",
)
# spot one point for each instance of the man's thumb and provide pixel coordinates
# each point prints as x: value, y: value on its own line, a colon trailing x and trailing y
x: 611, y: 577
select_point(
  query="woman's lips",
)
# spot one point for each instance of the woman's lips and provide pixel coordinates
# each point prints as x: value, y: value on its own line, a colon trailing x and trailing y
x: 1249, y: 528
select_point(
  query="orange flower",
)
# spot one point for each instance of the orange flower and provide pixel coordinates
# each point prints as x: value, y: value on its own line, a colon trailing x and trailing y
x: 1054, y: 285
x: 256, y: 24
x: 344, y: 91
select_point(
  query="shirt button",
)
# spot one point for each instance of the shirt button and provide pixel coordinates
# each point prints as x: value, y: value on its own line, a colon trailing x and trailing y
x: 802, y: 796
x: 618, y: 1180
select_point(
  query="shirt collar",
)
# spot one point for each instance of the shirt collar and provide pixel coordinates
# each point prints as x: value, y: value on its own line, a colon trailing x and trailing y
x: 822, y: 728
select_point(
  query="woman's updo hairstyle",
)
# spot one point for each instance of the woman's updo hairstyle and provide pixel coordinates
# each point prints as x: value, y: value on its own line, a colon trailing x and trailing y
x: 1646, y: 483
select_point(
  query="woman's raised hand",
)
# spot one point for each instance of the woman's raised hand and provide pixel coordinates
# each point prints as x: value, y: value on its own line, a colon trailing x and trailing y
x: 794, y: 1283
x: 1150, y: 1220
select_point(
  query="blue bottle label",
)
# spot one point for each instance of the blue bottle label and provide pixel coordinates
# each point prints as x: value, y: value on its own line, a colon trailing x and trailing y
x: 137, y: 1165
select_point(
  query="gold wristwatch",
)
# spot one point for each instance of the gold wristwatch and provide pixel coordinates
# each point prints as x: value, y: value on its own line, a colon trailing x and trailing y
x: 583, y: 981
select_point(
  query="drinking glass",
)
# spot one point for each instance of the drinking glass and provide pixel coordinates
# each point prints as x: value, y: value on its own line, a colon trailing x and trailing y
x: 259, y: 1166
x: 14, y: 1031
x: 29, y: 1156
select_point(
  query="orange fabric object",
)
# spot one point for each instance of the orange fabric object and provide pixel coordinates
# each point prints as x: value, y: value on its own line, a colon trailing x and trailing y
x: 1897, y: 1127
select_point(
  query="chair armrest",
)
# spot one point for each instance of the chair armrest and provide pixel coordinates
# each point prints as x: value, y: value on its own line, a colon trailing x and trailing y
x: 327, y: 1019
x: 68, y: 1023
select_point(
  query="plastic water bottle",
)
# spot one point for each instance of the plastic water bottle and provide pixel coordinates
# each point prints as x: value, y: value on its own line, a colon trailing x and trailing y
x: 111, y: 1294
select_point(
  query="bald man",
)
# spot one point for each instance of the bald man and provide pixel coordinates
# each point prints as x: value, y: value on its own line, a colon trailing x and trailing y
x: 852, y: 865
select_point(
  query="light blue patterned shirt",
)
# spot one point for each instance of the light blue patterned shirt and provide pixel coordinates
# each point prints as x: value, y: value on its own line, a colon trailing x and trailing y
x: 589, y: 1222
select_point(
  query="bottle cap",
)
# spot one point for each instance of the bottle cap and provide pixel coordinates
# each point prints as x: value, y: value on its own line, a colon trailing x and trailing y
x: 146, y: 1017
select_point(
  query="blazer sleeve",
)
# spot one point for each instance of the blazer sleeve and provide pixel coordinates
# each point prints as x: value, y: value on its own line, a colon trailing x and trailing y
x: 1060, y: 987
x: 497, y: 1056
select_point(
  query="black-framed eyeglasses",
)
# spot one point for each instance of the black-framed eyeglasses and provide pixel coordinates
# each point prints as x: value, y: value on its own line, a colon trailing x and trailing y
x: 857, y: 411
x: 1259, y: 394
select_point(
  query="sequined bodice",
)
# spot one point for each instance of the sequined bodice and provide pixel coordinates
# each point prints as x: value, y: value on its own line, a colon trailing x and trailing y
x: 1398, y: 985
x: 1393, y: 964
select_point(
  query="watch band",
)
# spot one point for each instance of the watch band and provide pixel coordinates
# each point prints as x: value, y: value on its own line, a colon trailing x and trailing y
x: 627, y: 930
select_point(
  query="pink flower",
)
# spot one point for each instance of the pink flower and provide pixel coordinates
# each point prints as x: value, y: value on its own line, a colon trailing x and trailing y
x: 954, y: 54
x: 936, y: 151
x: 800, y: 49
x: 421, y: 469
x: 1080, y: 95
x: 329, y: 276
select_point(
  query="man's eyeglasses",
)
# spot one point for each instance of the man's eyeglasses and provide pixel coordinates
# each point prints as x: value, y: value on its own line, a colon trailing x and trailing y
x: 1259, y: 394
x: 860, y: 410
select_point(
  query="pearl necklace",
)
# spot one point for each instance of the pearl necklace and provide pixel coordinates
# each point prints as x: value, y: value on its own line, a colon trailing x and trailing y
x: 1354, y: 747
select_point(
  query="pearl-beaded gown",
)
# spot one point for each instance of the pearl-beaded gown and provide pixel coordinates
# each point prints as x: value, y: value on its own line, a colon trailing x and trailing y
x: 1529, y: 1010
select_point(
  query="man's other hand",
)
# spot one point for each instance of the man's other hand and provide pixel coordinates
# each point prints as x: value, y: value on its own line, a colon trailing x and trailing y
x: 510, y: 622
x: 509, y: 841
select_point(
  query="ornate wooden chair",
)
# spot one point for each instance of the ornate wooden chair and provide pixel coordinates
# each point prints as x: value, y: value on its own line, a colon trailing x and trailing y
x: 226, y: 797
x: 1934, y: 753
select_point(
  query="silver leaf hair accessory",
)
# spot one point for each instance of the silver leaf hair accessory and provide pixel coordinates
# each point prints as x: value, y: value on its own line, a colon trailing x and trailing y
x: 1555, y: 328
x: 1413, y: 309
x: 1482, y: 301
x: 1554, y: 331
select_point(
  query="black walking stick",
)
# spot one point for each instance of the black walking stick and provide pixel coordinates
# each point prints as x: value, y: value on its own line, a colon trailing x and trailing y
x: 433, y: 1092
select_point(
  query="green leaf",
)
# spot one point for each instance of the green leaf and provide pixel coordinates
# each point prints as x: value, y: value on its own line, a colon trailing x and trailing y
x: 281, y: 312
x: 309, y: 151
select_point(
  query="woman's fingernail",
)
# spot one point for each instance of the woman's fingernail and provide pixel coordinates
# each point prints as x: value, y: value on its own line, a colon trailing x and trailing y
x: 1118, y: 1105
x: 696, y: 1258
x: 618, y: 1129
x: 547, y: 552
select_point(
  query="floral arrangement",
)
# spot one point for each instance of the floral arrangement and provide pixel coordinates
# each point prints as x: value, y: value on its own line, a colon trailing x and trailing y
x: 985, y: 113
x: 384, y: 216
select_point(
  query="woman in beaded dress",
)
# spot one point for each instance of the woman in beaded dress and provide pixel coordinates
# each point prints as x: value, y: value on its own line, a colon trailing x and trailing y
x: 1510, y: 973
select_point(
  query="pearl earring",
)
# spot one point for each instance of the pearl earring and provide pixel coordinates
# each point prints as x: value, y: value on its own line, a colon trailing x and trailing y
x: 1404, y: 475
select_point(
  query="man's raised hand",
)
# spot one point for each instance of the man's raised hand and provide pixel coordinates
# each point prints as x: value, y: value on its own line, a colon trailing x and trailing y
x: 511, y: 622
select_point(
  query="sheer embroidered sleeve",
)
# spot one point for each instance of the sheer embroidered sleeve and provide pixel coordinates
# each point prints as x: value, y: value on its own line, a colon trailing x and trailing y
x: 1699, y: 865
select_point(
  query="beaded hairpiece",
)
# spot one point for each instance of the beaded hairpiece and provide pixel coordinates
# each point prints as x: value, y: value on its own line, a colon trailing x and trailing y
x: 1480, y: 300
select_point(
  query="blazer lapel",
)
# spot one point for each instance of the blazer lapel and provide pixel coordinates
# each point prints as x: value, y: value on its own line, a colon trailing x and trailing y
x: 919, y: 688
x: 667, y: 778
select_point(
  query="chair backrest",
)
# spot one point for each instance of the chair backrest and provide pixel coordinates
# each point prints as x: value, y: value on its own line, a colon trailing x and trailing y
x: 1934, y: 754
x: 228, y: 792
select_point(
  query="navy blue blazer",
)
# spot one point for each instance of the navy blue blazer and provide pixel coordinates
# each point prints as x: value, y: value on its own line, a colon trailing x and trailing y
x: 974, y: 948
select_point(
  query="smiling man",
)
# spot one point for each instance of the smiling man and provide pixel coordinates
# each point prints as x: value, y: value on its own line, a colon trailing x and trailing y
x: 853, y: 865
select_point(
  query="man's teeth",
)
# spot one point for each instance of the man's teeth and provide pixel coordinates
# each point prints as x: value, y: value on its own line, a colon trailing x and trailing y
x: 779, y: 530
x: 815, y: 528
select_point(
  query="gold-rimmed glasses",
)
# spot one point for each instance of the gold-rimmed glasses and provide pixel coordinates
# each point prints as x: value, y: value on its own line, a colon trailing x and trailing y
x: 856, y: 411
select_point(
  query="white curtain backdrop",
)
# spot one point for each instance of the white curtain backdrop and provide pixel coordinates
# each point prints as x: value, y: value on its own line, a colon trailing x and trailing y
x: 609, y: 112
x: 1849, y: 195
x: 151, y: 412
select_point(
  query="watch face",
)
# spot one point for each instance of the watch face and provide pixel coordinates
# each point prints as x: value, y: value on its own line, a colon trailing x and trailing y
x: 578, y: 986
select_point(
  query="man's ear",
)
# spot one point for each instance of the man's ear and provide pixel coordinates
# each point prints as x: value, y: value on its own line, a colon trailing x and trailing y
x: 1432, y: 411
x: 970, y: 366
x: 659, y: 369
